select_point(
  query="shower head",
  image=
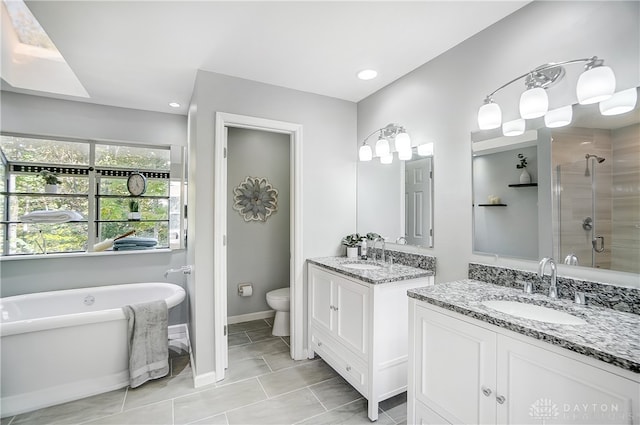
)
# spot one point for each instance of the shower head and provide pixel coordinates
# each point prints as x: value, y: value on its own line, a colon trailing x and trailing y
x: 598, y: 158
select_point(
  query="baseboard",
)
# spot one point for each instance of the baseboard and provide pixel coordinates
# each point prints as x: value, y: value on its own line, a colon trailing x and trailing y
x: 250, y: 316
x: 204, y: 379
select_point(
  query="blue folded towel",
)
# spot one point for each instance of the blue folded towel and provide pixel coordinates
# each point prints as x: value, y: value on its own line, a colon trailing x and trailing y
x: 134, y: 241
x: 132, y: 248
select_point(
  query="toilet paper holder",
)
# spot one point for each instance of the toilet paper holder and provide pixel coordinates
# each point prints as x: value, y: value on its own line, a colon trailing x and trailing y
x: 245, y: 289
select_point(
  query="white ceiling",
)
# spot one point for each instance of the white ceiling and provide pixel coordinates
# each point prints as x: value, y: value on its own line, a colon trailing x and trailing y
x: 145, y: 54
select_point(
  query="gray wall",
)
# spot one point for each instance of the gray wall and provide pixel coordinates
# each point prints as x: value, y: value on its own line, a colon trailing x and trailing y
x: 257, y: 252
x: 50, y: 117
x: 439, y: 101
x: 328, y: 179
x: 510, y: 230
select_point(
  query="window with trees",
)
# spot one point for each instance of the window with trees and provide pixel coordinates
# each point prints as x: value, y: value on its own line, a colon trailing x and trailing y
x: 63, y: 196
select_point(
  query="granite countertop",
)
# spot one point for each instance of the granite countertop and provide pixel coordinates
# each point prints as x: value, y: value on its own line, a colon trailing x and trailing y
x: 609, y: 335
x: 386, y: 274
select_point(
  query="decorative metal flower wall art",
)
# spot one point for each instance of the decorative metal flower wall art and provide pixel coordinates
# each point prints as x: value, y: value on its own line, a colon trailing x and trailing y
x: 255, y: 199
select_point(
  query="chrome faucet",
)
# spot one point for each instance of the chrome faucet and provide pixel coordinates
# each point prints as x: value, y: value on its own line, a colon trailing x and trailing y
x: 382, y: 254
x: 182, y: 269
x: 401, y: 240
x: 553, y: 289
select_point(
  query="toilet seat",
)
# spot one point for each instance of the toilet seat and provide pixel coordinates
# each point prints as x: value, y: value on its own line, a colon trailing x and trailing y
x: 278, y: 299
x: 281, y: 294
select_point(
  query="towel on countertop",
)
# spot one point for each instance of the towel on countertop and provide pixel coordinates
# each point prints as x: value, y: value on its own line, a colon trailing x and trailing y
x: 51, y: 216
x: 148, y: 341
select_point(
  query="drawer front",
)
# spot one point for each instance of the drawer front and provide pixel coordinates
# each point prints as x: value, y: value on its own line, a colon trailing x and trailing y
x: 341, y: 360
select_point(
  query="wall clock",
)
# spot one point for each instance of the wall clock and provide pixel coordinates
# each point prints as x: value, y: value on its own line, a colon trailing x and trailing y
x: 136, y: 184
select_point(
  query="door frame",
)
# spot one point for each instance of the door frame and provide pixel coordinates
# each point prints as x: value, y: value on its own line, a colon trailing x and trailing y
x: 224, y: 120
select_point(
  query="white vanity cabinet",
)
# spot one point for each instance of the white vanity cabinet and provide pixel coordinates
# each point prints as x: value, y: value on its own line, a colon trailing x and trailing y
x: 464, y: 371
x: 361, y: 330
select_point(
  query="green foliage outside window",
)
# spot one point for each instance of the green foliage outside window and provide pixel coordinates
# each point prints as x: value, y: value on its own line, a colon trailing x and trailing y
x: 111, y: 204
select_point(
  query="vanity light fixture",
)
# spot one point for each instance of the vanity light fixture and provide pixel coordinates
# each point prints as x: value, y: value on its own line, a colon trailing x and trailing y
x: 392, y: 132
x: 596, y: 84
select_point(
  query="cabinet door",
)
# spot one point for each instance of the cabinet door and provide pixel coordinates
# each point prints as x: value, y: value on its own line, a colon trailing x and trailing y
x: 426, y: 416
x: 321, y: 289
x: 351, y: 305
x: 455, y: 360
x: 541, y: 386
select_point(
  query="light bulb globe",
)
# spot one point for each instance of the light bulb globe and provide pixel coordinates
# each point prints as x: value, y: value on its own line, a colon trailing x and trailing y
x: 489, y: 116
x: 595, y: 85
x: 534, y: 103
x: 382, y: 147
x: 365, y: 153
x: 513, y: 128
x: 559, y: 117
x: 403, y: 141
x: 405, y: 154
x: 620, y: 103
x: 386, y: 159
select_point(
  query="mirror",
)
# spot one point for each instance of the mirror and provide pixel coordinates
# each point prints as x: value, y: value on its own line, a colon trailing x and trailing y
x: 396, y: 200
x: 582, y: 206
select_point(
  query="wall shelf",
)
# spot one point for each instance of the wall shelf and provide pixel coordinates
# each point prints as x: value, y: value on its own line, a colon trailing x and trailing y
x: 524, y: 185
x: 492, y: 205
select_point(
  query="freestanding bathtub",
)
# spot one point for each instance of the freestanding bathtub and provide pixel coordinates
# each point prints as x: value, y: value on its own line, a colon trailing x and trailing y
x: 64, y: 345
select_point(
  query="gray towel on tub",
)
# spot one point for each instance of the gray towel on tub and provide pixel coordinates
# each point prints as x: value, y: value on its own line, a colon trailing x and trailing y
x: 148, y: 341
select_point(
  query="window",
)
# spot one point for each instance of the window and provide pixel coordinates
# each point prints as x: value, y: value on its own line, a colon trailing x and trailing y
x: 91, y: 195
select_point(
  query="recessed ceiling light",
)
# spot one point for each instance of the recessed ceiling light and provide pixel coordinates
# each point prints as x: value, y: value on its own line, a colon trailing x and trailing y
x: 174, y: 104
x: 367, y: 74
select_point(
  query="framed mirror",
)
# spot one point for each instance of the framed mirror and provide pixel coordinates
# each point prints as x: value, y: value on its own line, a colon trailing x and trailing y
x: 582, y: 205
x: 396, y: 200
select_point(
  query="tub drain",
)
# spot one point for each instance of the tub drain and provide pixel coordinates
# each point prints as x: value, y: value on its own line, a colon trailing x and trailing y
x: 89, y: 300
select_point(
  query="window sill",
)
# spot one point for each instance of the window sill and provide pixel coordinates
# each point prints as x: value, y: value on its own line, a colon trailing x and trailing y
x: 87, y: 254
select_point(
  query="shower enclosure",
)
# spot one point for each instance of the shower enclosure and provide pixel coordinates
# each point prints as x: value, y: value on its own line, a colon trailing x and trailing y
x: 582, y: 212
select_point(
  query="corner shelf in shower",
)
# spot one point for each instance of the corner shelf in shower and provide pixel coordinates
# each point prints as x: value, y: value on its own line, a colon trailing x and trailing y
x: 524, y: 185
x: 492, y: 205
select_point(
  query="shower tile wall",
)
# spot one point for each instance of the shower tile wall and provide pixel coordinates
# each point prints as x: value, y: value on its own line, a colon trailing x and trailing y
x: 569, y: 148
x: 625, y: 246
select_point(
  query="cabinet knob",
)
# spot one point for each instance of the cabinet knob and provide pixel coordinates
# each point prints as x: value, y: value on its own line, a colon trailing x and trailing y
x: 500, y: 399
x: 348, y: 368
x: 319, y: 343
x: 486, y: 391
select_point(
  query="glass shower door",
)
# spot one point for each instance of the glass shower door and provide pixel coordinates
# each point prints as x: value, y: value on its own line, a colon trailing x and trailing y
x: 582, y: 216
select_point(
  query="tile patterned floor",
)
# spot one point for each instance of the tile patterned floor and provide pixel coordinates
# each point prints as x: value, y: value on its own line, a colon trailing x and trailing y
x: 263, y: 386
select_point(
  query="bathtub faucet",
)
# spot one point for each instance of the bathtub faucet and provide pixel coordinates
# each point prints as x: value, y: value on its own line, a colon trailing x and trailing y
x: 183, y: 270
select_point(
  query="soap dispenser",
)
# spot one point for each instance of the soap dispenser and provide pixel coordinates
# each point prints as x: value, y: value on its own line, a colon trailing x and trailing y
x: 363, y: 249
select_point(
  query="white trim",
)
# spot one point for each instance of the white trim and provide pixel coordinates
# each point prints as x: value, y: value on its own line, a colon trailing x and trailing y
x: 251, y: 316
x: 222, y: 121
x: 204, y: 379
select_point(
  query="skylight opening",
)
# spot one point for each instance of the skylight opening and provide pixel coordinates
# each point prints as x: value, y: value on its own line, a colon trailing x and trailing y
x: 27, y: 27
x: 30, y: 59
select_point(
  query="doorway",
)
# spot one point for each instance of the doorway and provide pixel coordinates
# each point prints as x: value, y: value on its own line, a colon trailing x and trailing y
x: 223, y: 123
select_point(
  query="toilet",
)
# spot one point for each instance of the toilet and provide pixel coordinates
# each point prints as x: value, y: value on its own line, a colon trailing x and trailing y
x: 278, y: 299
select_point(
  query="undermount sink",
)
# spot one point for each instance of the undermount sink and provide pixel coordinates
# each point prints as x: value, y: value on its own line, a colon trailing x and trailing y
x: 533, y: 312
x: 362, y: 266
